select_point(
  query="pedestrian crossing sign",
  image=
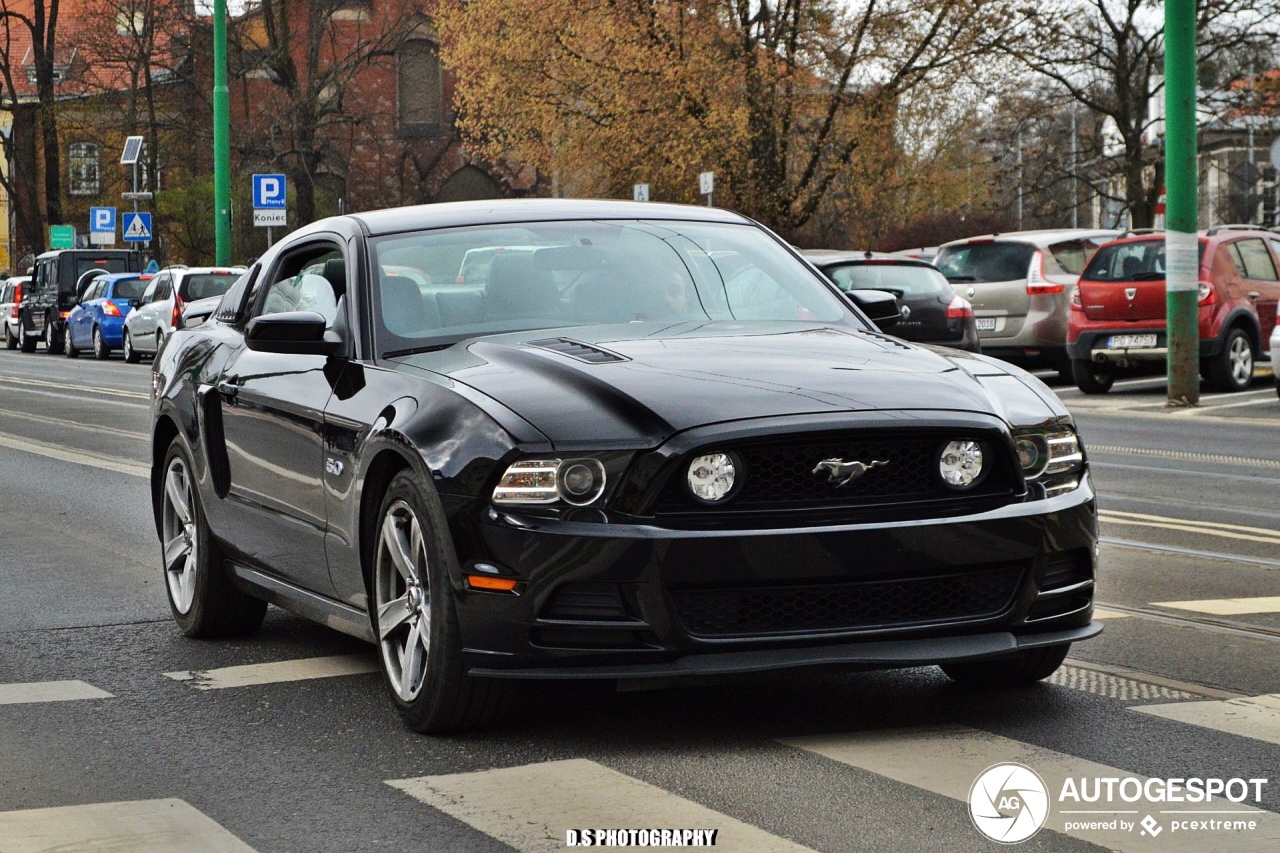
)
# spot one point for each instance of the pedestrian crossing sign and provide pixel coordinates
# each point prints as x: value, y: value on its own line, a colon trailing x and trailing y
x: 137, y: 227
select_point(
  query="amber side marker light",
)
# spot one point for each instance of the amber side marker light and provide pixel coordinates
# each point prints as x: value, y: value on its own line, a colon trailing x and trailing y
x: 487, y: 582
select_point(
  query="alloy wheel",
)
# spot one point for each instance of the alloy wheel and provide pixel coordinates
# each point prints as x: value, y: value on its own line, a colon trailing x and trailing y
x: 1241, y: 359
x: 402, y: 595
x: 181, y: 544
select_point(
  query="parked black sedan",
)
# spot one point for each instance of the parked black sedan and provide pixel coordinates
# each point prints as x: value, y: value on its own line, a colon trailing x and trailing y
x: 658, y: 444
x: 931, y: 311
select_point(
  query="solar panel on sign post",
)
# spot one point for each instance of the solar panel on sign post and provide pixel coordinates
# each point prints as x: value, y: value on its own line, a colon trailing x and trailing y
x: 132, y: 149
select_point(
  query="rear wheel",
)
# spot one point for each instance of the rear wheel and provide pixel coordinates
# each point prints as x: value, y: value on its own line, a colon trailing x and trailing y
x: 25, y: 340
x: 1092, y: 378
x: 1232, y: 369
x: 130, y: 354
x: 101, y: 351
x: 69, y: 346
x: 1025, y: 667
x: 10, y: 342
x: 202, y: 598
x: 53, y: 340
x: 415, y: 621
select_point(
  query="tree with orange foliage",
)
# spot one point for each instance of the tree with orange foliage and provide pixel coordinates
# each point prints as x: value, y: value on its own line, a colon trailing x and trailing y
x: 777, y: 98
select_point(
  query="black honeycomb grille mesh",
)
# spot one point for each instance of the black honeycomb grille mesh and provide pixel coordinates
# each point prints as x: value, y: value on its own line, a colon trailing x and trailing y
x: 780, y: 475
x: 847, y: 606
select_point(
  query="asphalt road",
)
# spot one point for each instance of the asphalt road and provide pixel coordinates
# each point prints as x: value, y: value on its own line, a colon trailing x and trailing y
x: 116, y: 733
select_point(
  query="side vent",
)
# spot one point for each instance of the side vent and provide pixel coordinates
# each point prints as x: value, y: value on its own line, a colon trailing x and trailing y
x: 578, y: 350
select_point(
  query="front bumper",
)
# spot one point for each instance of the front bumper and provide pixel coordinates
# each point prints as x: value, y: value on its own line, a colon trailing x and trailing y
x: 600, y: 600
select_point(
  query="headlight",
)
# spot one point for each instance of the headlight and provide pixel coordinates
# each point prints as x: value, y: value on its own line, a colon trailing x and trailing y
x: 713, y: 476
x: 544, y: 481
x: 1050, y: 458
x: 960, y: 463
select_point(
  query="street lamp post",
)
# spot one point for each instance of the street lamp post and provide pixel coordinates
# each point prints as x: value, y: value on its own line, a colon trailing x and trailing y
x: 1181, y: 244
x: 221, y: 138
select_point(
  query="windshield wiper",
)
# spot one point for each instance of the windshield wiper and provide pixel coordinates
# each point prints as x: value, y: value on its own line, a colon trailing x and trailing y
x: 962, y: 278
x: 396, y: 353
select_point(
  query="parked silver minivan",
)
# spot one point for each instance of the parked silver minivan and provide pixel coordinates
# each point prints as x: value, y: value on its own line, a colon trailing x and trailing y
x: 1020, y: 284
x: 160, y: 306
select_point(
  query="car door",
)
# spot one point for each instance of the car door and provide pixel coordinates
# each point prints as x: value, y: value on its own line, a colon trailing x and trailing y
x: 80, y: 320
x: 272, y: 412
x: 136, y: 321
x: 1261, y: 282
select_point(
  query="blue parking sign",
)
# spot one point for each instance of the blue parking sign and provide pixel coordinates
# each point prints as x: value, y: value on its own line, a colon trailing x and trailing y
x: 137, y: 227
x: 102, y: 220
x: 268, y: 192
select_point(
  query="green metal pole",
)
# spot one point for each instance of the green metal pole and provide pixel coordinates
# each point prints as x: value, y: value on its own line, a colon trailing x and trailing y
x: 1181, y: 176
x: 221, y: 137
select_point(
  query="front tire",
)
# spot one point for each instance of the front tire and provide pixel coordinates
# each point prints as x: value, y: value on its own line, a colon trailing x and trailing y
x: 414, y: 619
x: 201, y: 596
x: 1232, y: 369
x: 131, y: 355
x: 25, y: 341
x: 10, y: 342
x: 69, y: 346
x: 1091, y: 378
x: 1024, y: 667
x: 54, y: 342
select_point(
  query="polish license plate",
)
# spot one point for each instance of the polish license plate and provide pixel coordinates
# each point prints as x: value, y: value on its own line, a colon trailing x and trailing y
x: 1131, y: 341
x: 985, y: 324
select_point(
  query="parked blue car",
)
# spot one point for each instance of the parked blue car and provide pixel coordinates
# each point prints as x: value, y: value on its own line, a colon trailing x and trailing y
x: 97, y: 322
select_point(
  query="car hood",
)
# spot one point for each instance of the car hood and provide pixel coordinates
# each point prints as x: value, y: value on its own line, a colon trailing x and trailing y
x: 637, y: 385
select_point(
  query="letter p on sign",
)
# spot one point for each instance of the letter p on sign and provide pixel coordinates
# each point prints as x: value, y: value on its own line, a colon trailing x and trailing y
x: 268, y: 191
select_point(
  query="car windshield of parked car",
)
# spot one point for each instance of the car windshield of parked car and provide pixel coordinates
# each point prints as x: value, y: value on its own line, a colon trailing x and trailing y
x: 205, y: 285
x: 986, y: 261
x: 898, y: 279
x: 559, y: 274
x: 1139, y: 260
x: 128, y: 288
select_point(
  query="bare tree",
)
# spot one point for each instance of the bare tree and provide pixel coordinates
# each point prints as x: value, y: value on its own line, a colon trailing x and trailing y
x: 1108, y: 56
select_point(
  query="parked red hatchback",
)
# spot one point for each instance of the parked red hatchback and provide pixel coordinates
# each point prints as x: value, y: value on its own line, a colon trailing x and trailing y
x: 1118, y: 311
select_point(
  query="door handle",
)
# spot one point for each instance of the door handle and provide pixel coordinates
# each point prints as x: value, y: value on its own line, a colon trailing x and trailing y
x: 1253, y: 294
x: 228, y: 387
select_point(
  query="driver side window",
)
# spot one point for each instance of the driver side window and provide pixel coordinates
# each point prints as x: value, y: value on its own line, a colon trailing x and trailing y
x: 310, y: 280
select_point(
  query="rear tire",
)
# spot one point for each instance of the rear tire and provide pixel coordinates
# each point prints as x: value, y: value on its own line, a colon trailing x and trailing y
x: 10, y: 342
x: 1091, y: 378
x: 69, y: 346
x: 1232, y: 369
x: 25, y: 340
x: 414, y: 618
x: 1024, y: 667
x: 131, y: 355
x: 201, y: 596
x: 53, y: 342
x: 101, y: 351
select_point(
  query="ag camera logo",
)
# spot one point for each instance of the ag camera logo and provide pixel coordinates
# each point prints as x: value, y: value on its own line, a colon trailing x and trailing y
x: 1009, y: 803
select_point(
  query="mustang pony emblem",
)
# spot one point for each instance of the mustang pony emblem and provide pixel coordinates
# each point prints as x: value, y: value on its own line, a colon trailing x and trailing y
x: 843, y: 473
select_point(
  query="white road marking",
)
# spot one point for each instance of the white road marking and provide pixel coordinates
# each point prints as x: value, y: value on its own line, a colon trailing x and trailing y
x: 49, y: 691
x: 1202, y: 528
x: 14, y: 442
x: 1103, y: 613
x: 1256, y: 717
x: 67, y: 386
x: 1227, y: 606
x: 1215, y: 458
x: 272, y: 673
x: 947, y: 760
x: 97, y: 429
x: 531, y: 807
x: 144, y: 826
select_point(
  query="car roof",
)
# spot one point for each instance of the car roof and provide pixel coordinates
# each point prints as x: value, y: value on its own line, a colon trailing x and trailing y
x: 463, y: 213
x: 1047, y: 235
x: 113, y: 277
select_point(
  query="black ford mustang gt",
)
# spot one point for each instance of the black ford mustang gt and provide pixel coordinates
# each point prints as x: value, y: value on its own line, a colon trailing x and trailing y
x: 648, y: 441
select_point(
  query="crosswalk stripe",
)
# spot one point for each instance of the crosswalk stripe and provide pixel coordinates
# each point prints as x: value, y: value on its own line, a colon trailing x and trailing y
x: 271, y: 673
x: 531, y: 807
x: 1256, y: 717
x: 1227, y: 606
x: 144, y: 826
x: 947, y: 759
x: 49, y: 691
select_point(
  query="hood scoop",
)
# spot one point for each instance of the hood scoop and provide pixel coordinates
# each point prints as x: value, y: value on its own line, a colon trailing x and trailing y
x: 879, y: 336
x: 577, y: 350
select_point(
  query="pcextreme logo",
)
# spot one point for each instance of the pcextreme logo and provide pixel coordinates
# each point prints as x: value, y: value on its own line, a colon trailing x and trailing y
x: 1009, y: 803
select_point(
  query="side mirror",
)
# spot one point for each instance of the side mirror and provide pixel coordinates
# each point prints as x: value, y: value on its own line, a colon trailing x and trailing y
x: 295, y: 332
x: 880, y: 307
x: 134, y: 303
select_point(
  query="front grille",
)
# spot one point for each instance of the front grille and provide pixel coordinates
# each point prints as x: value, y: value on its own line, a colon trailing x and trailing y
x: 860, y: 605
x: 780, y: 474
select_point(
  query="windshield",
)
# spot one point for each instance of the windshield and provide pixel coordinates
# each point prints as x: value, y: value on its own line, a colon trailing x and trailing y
x: 205, y: 285
x: 1139, y: 260
x: 560, y: 274
x: 899, y: 279
x: 986, y: 261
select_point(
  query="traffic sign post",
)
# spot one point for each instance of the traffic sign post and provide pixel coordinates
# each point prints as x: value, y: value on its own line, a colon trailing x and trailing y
x: 707, y: 185
x: 269, y: 203
x: 640, y: 192
x: 102, y: 226
x: 137, y: 227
